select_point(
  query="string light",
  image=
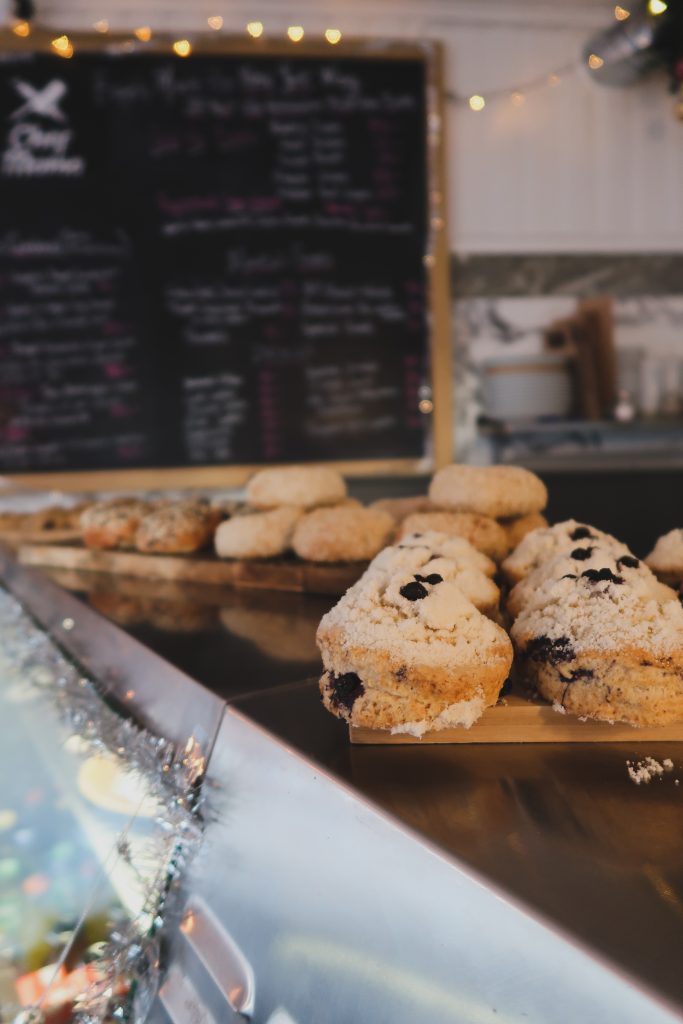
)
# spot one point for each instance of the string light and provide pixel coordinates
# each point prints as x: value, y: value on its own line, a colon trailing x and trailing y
x: 554, y: 79
x: 517, y: 99
x: 477, y: 102
x: 215, y: 22
x: 621, y: 14
x: 295, y: 33
x: 63, y: 46
x: 22, y: 28
x: 182, y: 47
x: 657, y: 6
x: 143, y: 33
x: 255, y: 29
x: 333, y: 35
x: 595, y: 62
x: 101, y: 26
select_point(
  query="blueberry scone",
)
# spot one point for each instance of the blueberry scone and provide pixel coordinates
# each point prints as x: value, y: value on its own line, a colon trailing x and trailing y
x: 407, y: 651
x: 604, y: 640
x: 666, y: 558
x: 543, y: 545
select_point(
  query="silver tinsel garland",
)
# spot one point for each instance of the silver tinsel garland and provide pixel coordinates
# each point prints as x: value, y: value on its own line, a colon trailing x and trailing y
x: 128, y: 971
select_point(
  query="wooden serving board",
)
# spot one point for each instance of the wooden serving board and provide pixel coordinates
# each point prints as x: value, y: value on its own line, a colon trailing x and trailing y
x: 285, y: 574
x: 518, y: 719
x: 15, y: 538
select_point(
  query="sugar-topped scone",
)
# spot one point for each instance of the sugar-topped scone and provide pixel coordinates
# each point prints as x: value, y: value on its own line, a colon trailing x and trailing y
x: 483, y: 533
x: 602, y: 642
x: 258, y: 534
x: 180, y: 528
x: 113, y: 524
x: 518, y: 527
x: 406, y: 650
x: 418, y: 548
x: 302, y: 486
x: 495, y: 491
x: 543, y: 545
x: 342, y: 534
x: 666, y: 558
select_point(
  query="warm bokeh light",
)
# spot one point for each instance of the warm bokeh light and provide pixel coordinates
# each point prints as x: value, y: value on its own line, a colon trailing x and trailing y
x: 477, y: 102
x: 22, y: 28
x: 517, y: 99
x: 102, y: 25
x: 63, y: 46
x: 595, y: 62
x: 215, y: 22
x: 657, y: 6
x: 333, y: 35
x: 621, y: 14
x: 295, y: 33
x: 182, y: 47
x: 143, y: 33
x: 255, y: 29
x: 553, y: 79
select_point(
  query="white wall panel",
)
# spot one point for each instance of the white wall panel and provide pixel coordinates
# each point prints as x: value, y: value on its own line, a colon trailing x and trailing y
x: 576, y: 168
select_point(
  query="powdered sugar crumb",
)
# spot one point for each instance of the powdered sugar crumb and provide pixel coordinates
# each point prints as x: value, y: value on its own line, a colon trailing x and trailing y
x: 644, y: 771
x: 560, y: 708
x: 464, y: 713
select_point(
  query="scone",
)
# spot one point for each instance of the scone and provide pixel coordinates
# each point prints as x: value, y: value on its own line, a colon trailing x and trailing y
x: 406, y: 651
x: 518, y: 527
x: 543, y: 545
x: 601, y: 643
x: 418, y: 548
x: 302, y: 486
x: 112, y: 524
x: 342, y: 534
x: 495, y: 491
x: 666, y: 558
x: 177, y: 529
x: 257, y: 535
x: 400, y: 508
x: 56, y: 517
x: 483, y: 533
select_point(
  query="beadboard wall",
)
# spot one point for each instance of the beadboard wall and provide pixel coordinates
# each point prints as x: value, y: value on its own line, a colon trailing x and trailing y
x: 575, y: 168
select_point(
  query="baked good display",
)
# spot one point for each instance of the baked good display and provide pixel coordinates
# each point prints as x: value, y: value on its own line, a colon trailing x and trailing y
x: 542, y: 545
x: 495, y: 491
x: 483, y: 533
x: 666, y: 558
x: 400, y: 508
x: 113, y: 524
x: 342, y: 534
x: 518, y: 527
x: 257, y: 534
x: 302, y: 486
x: 177, y: 529
x: 596, y: 633
x: 405, y: 650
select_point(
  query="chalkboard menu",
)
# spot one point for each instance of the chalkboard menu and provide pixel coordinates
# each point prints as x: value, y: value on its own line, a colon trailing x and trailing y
x: 212, y: 260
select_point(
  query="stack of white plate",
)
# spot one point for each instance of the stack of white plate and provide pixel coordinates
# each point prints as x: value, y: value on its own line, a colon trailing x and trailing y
x: 527, y: 386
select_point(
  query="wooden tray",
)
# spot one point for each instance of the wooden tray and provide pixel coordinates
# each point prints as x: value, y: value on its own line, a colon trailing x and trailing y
x: 285, y: 574
x: 15, y: 538
x: 519, y: 719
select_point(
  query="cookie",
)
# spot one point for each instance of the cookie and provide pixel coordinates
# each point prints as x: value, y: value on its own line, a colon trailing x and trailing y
x: 303, y: 486
x: 406, y: 650
x: 342, y: 534
x: 257, y: 535
x: 495, y: 491
x: 483, y: 533
x: 400, y: 508
x: 517, y: 528
x: 666, y: 558
x: 180, y: 528
x: 112, y: 524
x: 545, y: 544
x: 601, y: 643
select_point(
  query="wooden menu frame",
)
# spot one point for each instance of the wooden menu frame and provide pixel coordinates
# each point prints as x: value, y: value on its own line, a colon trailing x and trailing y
x: 436, y: 258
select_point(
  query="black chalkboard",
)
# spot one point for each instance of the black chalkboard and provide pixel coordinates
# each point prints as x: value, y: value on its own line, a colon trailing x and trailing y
x: 212, y: 260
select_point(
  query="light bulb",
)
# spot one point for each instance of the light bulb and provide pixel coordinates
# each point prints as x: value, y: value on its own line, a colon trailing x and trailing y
x: 215, y: 22
x: 143, y: 33
x: 295, y: 33
x: 595, y: 62
x: 182, y: 47
x: 477, y: 102
x: 657, y: 6
x: 102, y: 25
x: 621, y: 14
x: 517, y: 99
x: 22, y: 28
x: 62, y: 44
x: 255, y: 29
x: 333, y: 35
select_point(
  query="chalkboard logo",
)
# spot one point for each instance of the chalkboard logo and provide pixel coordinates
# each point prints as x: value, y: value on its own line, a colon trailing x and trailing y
x: 35, y: 147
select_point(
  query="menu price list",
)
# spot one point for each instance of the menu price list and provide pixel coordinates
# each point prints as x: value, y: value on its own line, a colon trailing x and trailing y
x: 243, y: 279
